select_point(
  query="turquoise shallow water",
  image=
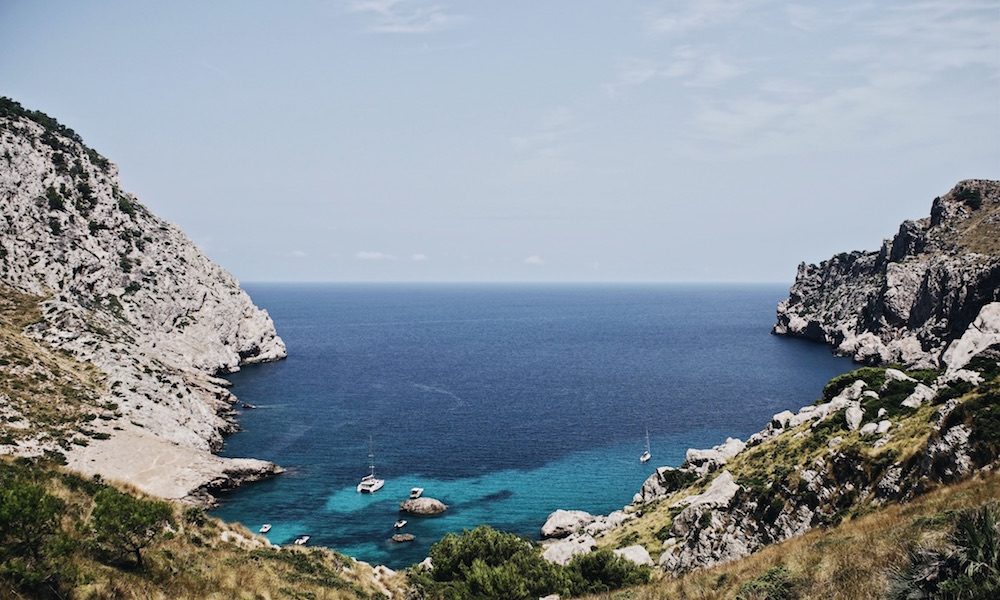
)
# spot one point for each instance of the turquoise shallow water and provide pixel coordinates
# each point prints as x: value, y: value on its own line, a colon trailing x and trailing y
x: 505, y: 402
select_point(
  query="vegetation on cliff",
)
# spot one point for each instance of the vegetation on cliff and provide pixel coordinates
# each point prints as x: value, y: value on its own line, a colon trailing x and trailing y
x: 66, y: 536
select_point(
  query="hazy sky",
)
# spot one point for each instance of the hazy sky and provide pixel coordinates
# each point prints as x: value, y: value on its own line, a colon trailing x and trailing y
x: 522, y: 140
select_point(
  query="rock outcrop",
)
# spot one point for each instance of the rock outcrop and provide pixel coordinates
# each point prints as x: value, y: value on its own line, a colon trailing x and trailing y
x: 911, y: 299
x: 929, y: 299
x: 561, y: 523
x: 128, y: 293
x: 424, y: 506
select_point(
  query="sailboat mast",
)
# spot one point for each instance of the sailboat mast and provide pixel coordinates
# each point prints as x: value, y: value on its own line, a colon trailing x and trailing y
x: 371, y: 455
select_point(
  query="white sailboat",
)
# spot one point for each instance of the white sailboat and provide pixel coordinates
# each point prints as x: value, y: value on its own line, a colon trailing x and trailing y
x: 645, y: 456
x: 369, y: 483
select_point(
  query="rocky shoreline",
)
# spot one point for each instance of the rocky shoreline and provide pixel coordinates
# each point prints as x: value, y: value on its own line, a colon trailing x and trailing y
x: 905, y: 302
x: 928, y: 300
x: 128, y: 293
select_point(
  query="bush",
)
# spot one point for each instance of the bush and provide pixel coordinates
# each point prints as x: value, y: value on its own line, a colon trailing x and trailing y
x: 31, y: 543
x: 968, y: 568
x: 873, y: 376
x: 774, y: 584
x: 486, y: 563
x: 124, y: 525
x: 970, y: 197
x: 603, y: 571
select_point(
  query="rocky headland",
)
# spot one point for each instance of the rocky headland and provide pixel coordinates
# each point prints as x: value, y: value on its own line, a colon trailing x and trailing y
x: 928, y: 301
x: 119, y: 322
x: 936, y: 280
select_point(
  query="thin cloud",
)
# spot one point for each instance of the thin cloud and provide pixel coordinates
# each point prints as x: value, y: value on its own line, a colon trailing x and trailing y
x: 405, y: 16
x: 693, y: 66
x: 534, y: 259
x: 546, y: 146
x: 373, y: 255
x: 418, y: 257
x: 695, y: 15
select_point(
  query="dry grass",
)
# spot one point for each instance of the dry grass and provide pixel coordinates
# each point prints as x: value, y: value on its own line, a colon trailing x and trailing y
x: 851, y: 561
x: 48, y: 394
x: 201, y: 557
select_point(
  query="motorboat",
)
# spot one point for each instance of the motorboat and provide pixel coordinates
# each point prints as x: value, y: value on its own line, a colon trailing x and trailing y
x: 416, y: 493
x: 265, y: 528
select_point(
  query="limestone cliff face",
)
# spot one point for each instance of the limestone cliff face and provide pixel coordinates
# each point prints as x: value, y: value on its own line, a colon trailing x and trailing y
x: 913, y: 297
x: 125, y: 290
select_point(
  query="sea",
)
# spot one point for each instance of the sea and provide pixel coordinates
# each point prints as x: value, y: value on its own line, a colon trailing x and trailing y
x: 503, y: 401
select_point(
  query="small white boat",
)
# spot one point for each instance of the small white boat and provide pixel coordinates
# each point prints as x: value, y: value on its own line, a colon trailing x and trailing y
x: 369, y: 483
x: 416, y: 493
x: 400, y: 524
x: 302, y: 540
x: 645, y: 456
x: 265, y: 528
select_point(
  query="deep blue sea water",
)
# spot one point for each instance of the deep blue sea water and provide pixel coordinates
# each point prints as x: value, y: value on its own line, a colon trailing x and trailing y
x: 504, y: 401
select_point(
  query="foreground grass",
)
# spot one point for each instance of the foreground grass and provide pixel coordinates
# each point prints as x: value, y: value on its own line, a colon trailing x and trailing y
x: 194, y: 557
x: 851, y: 561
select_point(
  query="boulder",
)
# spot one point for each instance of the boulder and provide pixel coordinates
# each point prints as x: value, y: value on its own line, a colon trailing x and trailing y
x: 423, y: 506
x: 562, y: 523
x: 883, y: 426
x: 636, y: 554
x: 980, y: 335
x: 920, y: 394
x: 868, y: 429
x: 853, y: 416
x: 782, y: 419
x: 403, y: 537
x: 706, y: 461
x: 561, y: 551
x: 719, y: 494
x: 895, y: 375
x: 602, y: 524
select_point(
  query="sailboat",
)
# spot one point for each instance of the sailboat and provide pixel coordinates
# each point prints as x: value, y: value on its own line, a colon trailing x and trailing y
x: 645, y: 456
x: 369, y: 483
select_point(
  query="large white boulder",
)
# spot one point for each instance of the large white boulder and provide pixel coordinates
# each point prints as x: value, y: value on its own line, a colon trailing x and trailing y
x: 562, y: 523
x: 705, y: 461
x: 636, y: 554
x: 853, y: 416
x: 983, y: 333
x: 920, y: 394
x: 561, y: 551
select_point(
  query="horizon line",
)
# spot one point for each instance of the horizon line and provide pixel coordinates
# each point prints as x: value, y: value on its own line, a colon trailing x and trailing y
x: 508, y: 282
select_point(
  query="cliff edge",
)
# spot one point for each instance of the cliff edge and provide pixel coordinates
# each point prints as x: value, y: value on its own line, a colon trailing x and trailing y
x: 99, y: 280
x: 914, y: 297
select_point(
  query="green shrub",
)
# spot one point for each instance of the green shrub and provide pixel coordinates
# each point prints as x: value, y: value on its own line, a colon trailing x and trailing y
x: 873, y: 376
x: 490, y: 564
x: 774, y: 584
x: 969, y: 567
x: 970, y: 197
x: 603, y: 571
x: 124, y: 525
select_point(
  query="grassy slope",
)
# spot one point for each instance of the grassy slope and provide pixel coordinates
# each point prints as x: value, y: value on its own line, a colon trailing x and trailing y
x: 775, y: 464
x: 51, y: 396
x: 851, y: 561
x: 198, y: 557
x: 53, y: 400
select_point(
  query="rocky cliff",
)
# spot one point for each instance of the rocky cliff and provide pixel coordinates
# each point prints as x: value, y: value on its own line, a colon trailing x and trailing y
x: 907, y: 301
x: 929, y: 298
x: 122, y: 290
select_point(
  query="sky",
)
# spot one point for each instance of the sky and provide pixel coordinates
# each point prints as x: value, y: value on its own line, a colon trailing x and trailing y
x: 567, y: 140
